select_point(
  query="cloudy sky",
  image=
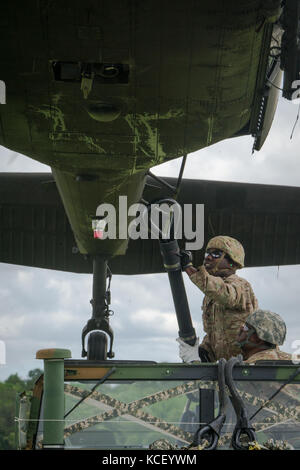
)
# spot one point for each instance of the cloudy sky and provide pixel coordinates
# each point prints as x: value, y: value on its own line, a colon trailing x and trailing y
x: 46, y: 309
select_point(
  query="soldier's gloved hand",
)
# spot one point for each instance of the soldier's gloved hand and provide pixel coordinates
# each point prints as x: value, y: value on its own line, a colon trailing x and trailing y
x: 186, y: 259
x: 188, y: 353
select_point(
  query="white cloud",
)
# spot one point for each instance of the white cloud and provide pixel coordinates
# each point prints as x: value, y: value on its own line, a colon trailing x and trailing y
x: 157, y: 322
x: 62, y: 288
x: 25, y: 277
x: 15, y: 162
x: 11, y: 327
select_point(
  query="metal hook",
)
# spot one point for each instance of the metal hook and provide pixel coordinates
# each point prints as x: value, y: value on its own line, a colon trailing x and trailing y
x: 208, y: 433
x: 212, y: 430
x: 243, y: 425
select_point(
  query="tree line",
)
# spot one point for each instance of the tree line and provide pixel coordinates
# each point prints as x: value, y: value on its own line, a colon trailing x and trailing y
x: 8, y: 392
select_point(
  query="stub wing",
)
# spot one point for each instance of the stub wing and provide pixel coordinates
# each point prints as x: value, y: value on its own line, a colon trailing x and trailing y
x: 34, y: 229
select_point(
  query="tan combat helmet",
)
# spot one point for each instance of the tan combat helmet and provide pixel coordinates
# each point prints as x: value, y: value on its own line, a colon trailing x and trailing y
x: 269, y: 326
x: 230, y: 246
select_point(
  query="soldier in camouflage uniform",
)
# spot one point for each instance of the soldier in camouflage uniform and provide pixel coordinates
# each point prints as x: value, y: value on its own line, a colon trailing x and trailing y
x: 261, y: 335
x: 259, y: 339
x: 228, y: 301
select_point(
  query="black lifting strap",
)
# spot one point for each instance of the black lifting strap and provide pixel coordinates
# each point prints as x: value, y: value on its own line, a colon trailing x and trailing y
x: 243, y: 425
x: 211, y: 431
x: 171, y: 259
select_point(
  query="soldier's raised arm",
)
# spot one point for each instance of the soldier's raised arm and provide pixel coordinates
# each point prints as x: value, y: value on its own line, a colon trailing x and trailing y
x: 232, y: 291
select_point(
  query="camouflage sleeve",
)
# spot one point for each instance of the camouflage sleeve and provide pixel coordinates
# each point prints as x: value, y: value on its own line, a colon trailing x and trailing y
x: 230, y: 294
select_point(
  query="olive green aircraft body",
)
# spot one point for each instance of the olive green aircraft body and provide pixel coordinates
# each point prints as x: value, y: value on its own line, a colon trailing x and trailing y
x: 101, y: 91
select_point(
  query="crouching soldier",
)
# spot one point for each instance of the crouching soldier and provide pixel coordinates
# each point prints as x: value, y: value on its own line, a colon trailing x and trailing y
x: 260, y: 337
